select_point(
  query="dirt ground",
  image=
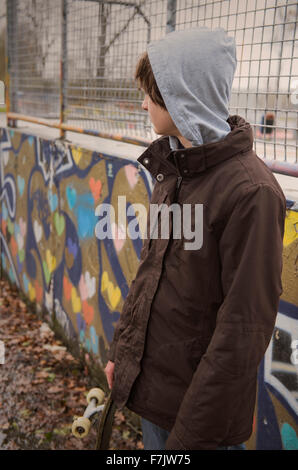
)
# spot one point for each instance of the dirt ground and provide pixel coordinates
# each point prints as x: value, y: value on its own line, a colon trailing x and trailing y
x: 43, y: 387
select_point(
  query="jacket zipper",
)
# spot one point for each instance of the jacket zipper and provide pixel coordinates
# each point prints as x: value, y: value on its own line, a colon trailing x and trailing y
x: 179, y: 179
x: 178, y: 184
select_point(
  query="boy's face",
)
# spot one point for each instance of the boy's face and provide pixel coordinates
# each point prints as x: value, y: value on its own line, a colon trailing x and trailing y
x: 159, y: 117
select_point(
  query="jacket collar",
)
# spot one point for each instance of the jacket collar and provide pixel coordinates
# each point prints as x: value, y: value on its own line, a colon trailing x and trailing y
x: 159, y: 159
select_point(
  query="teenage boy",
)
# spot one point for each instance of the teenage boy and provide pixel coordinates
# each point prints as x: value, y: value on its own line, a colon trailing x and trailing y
x: 196, y: 323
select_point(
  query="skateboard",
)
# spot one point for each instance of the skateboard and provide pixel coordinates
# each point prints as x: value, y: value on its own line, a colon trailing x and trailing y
x: 81, y: 425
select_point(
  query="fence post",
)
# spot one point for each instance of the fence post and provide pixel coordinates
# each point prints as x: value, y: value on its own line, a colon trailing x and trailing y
x: 63, y: 66
x: 11, y: 60
x: 171, y: 15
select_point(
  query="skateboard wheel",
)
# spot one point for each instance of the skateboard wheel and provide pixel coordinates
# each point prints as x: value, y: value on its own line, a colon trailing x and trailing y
x: 81, y: 427
x: 97, y: 394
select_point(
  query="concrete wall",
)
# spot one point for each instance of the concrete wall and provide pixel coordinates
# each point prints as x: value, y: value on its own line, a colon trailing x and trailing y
x: 48, y: 195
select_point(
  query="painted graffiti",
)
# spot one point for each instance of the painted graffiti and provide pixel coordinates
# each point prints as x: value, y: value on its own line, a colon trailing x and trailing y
x: 49, y: 192
x: 48, y: 197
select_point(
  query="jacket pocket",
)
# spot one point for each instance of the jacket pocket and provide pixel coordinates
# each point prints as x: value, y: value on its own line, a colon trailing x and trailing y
x: 237, y: 351
x: 178, y: 360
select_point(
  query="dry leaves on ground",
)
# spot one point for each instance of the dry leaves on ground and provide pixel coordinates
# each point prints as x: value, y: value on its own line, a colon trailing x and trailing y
x: 43, y: 387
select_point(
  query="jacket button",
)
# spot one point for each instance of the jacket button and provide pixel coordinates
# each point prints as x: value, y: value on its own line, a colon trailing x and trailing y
x: 146, y: 161
x: 160, y: 177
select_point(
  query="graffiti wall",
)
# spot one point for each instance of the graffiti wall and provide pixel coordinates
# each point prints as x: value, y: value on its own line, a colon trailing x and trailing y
x: 49, y: 194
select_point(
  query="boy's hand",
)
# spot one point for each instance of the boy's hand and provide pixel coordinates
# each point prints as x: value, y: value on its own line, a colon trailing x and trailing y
x: 109, y: 371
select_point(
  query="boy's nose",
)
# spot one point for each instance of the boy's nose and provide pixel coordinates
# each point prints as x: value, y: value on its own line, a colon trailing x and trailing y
x: 145, y: 104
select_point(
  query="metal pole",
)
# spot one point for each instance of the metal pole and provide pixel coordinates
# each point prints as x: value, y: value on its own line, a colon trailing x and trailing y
x: 11, y: 58
x: 63, y: 67
x: 67, y: 127
x: 171, y: 15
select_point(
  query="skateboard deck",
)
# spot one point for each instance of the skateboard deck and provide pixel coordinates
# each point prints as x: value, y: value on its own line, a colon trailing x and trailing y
x: 105, y: 425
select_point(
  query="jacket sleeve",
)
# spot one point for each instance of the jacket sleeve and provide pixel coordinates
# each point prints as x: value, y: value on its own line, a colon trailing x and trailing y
x: 250, y: 250
x: 121, y: 324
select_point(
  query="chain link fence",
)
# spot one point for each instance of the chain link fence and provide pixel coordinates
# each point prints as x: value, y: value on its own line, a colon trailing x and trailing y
x: 71, y: 64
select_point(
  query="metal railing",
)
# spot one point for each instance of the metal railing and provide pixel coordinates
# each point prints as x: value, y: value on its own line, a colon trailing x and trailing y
x: 71, y: 65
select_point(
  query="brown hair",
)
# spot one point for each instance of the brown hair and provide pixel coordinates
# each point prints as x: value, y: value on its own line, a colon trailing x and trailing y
x: 145, y: 79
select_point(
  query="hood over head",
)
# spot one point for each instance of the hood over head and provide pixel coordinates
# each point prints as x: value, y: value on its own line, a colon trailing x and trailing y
x: 194, y: 71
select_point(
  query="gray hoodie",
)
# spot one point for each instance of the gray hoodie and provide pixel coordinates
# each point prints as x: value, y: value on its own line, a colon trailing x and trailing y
x: 194, y: 71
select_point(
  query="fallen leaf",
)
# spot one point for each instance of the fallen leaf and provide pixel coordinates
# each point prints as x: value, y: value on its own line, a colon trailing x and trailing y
x: 42, y: 374
x: 54, y: 348
x: 55, y: 389
x: 125, y: 434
